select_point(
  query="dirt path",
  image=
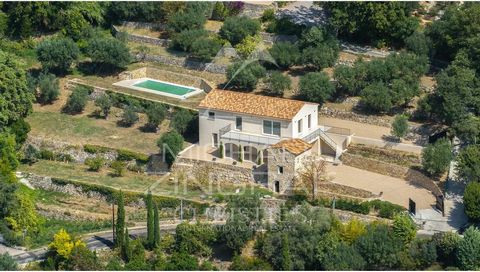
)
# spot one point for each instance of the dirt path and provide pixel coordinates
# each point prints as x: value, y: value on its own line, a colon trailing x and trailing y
x: 394, y: 190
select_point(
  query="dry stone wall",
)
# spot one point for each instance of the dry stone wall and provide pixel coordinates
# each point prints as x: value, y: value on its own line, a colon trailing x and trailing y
x: 217, y: 172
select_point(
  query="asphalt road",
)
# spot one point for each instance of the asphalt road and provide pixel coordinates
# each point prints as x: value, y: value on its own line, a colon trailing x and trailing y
x: 94, y: 242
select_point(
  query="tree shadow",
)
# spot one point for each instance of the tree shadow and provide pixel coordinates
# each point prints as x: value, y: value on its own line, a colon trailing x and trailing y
x: 88, y: 68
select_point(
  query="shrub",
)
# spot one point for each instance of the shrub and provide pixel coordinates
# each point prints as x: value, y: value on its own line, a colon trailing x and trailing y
x: 95, y: 163
x: 404, y: 227
x: 400, y: 126
x: 319, y: 57
x: 205, y: 49
x: 129, y: 117
x: 94, y: 149
x: 7, y: 263
x: 423, y: 252
x: 316, y: 87
x: 57, y: 54
x: 447, y: 244
x: 471, y: 198
x: 155, y: 114
x: 49, y: 89
x: 219, y: 12
x: 170, y: 144
x: 31, y: 154
x: 241, y: 263
x: 235, y: 29
x: 127, y: 155
x: 46, y: 155
x: 181, y: 120
x: 278, y: 83
x: 268, y: 15
x: 186, y: 38
x: 118, y: 168
x: 386, y: 209
x: 468, y: 253
x: 108, y: 51
x: 104, y: 103
x: 246, y: 47
x: 376, y: 97
x: 286, y: 54
x: 244, y: 76
x: 469, y: 163
x: 20, y: 129
x: 436, y: 157
x: 77, y: 100
x: 185, y: 20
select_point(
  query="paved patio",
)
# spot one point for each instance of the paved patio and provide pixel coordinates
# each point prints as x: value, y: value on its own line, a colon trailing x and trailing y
x: 394, y: 190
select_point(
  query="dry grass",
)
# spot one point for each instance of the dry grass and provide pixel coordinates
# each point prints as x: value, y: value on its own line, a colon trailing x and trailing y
x: 141, y: 31
x: 213, y: 25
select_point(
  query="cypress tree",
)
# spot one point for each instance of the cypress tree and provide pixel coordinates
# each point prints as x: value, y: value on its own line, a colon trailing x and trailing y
x: 125, y: 250
x: 287, y: 264
x: 119, y: 230
x: 150, y: 220
x: 156, y: 230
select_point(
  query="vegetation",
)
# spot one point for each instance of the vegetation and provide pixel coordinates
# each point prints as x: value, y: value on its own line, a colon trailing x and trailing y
x: 244, y: 76
x: 469, y: 163
x: 400, y: 126
x: 95, y: 163
x: 48, y: 89
x: 278, y: 83
x: 235, y: 29
x: 58, y: 54
x: 7, y: 263
x: 316, y: 87
x: 285, y: 54
x: 105, y: 104
x: 130, y: 116
x: 155, y: 114
x: 471, y: 198
x: 469, y: 249
x: 108, y: 52
x: 170, y: 144
x: 436, y: 157
x: 77, y: 100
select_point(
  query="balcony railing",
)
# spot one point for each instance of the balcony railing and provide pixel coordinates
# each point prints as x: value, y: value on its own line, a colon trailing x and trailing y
x: 227, y: 134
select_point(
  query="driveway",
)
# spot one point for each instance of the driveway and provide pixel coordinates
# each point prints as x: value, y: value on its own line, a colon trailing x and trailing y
x: 394, y: 190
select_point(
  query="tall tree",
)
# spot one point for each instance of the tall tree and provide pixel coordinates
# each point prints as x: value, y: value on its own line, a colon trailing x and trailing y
x: 156, y: 227
x: 150, y: 220
x: 125, y: 249
x: 287, y: 264
x: 468, y: 252
x: 120, y: 226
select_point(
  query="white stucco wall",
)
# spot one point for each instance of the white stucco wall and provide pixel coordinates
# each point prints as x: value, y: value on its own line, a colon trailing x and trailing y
x: 254, y: 124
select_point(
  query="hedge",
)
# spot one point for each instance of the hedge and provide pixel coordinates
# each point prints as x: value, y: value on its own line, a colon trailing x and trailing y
x: 122, y: 154
x: 383, y: 209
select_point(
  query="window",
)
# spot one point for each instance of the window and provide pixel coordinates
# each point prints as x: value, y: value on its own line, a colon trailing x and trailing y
x: 300, y: 125
x: 272, y: 128
x: 309, y: 121
x: 211, y: 115
x: 238, y: 123
x: 280, y: 169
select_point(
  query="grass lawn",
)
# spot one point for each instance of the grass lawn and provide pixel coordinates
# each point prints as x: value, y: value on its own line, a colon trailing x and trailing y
x: 160, y: 185
x: 80, y: 130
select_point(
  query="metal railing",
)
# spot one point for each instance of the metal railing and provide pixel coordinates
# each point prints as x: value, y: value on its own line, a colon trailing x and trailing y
x: 244, y: 138
x: 225, y: 129
x: 320, y: 133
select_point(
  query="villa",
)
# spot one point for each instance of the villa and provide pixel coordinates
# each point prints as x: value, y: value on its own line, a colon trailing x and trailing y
x: 273, y: 134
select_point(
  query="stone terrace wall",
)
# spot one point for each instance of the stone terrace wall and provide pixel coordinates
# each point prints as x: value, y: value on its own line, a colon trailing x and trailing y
x: 218, y: 172
x: 184, y: 62
x: 411, y: 175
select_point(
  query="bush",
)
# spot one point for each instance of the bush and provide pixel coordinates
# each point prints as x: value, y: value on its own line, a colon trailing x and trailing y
x: 182, y: 120
x: 241, y: 263
x: 118, y: 168
x: 7, y: 263
x: 186, y: 38
x: 94, y: 149
x: 316, y: 87
x: 244, y: 76
x: 77, y: 100
x: 46, y: 155
x: 468, y: 253
x: 127, y: 155
x: 404, y: 228
x: 246, y: 47
x: 376, y: 97
x: 104, y: 103
x: 436, y: 157
x: 170, y: 144
x: 319, y: 57
x: 31, y: 154
x: 129, y: 117
x: 95, y: 163
x: 278, y: 83
x: 471, y: 198
x: 423, y: 252
x: 400, y: 126
x: 108, y: 51
x: 185, y: 20
x: 268, y: 15
x: 286, y: 54
x: 49, y: 89
x: 386, y: 209
x: 447, y: 244
x: 235, y: 29
x: 57, y: 54
x: 469, y: 163
x: 155, y: 114
x: 205, y: 49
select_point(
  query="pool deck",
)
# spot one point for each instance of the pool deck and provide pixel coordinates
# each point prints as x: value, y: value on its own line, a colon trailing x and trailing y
x: 130, y: 84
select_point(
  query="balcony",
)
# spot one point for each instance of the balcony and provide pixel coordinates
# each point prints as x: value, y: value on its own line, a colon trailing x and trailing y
x: 233, y: 136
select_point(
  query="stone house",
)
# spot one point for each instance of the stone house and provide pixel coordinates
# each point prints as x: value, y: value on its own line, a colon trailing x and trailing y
x: 273, y: 134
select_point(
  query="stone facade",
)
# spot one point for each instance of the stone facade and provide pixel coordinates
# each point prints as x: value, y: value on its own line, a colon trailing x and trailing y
x: 281, y: 170
x: 217, y: 172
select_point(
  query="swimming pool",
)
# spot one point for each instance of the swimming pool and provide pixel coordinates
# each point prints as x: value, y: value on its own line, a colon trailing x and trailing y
x: 159, y: 87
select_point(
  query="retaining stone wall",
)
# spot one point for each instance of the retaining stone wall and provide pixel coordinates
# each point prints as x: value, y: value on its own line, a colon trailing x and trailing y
x: 352, y: 116
x: 183, y: 62
x: 217, y: 172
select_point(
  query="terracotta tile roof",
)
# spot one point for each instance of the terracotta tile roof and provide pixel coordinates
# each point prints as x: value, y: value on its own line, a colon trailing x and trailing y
x: 253, y: 104
x: 294, y: 145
